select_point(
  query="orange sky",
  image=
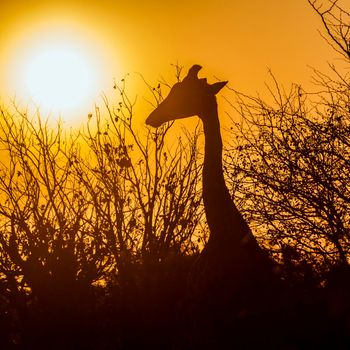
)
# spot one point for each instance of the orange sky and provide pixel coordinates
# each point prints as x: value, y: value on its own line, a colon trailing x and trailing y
x: 232, y: 39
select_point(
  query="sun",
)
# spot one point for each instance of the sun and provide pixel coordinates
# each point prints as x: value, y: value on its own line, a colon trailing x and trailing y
x: 58, y: 77
x: 58, y: 68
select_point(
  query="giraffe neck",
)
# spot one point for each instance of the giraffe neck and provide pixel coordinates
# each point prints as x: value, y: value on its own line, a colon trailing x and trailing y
x: 225, y: 222
x: 213, y: 178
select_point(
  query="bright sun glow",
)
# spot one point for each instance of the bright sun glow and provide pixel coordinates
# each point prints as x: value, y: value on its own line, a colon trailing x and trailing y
x: 59, y: 77
x: 59, y: 68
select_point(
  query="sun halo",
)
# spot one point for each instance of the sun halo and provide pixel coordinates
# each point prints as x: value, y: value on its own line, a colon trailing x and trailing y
x: 58, y: 77
x: 61, y: 73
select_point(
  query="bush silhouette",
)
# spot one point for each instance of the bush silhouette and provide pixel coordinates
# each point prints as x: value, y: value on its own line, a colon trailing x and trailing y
x: 92, y: 215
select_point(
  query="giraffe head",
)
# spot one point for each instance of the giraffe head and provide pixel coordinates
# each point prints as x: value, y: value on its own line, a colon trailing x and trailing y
x: 192, y: 96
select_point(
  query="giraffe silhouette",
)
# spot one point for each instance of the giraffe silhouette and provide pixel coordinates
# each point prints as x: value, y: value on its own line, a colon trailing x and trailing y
x: 232, y: 269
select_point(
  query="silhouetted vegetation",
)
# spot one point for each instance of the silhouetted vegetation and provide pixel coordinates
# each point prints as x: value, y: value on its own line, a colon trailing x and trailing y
x: 106, y: 215
x: 287, y: 167
x: 289, y: 163
x: 102, y: 231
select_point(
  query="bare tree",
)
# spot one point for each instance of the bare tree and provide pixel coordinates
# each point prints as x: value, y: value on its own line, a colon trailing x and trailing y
x: 291, y: 166
x: 49, y: 256
x: 45, y: 243
x: 108, y: 210
x: 289, y: 162
x: 144, y: 192
x: 336, y: 21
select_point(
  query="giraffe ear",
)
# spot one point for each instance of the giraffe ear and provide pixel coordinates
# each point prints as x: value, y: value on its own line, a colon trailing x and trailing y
x: 193, y: 72
x: 216, y: 87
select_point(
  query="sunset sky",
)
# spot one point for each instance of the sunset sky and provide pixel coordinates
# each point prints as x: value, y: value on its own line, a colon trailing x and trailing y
x: 233, y: 40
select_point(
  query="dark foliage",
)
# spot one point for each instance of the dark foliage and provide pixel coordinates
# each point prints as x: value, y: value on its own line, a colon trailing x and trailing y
x: 289, y: 164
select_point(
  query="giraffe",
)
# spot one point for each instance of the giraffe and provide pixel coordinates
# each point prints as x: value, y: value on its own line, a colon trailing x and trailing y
x: 233, y: 264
